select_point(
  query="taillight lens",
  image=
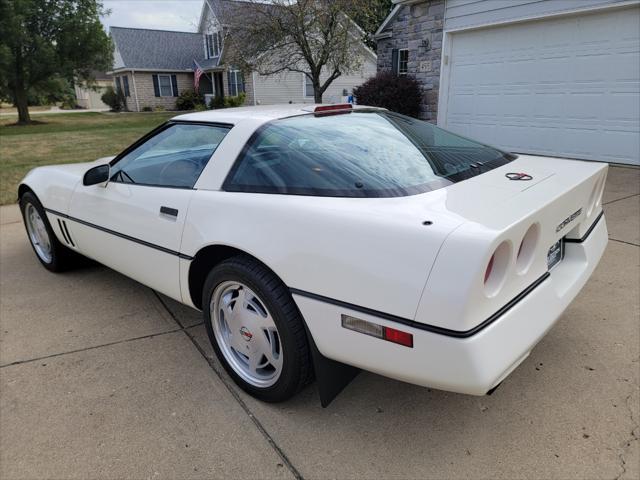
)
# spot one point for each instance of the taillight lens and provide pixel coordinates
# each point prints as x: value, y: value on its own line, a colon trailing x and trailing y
x: 497, y: 267
x: 489, y: 269
x: 527, y: 250
x: 378, y: 331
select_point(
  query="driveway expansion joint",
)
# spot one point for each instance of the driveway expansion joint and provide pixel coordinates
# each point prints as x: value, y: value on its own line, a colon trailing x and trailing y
x: 94, y: 347
x: 230, y: 387
x: 623, y: 241
x: 620, y: 199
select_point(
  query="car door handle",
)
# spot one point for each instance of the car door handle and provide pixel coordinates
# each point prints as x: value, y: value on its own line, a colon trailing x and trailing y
x: 172, y: 212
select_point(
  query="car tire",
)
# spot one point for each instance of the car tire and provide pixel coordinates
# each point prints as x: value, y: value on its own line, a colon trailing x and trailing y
x: 52, y: 254
x: 243, y: 301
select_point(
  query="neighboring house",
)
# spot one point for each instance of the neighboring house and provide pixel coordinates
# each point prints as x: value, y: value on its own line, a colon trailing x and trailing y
x: 550, y: 77
x: 152, y: 67
x: 89, y: 97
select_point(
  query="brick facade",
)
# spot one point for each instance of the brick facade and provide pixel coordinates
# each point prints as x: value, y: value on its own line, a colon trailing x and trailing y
x: 146, y: 95
x: 412, y: 26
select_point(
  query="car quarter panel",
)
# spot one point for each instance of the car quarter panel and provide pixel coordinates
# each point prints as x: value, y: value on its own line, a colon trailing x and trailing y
x: 371, y: 252
x: 471, y: 365
x: 457, y: 296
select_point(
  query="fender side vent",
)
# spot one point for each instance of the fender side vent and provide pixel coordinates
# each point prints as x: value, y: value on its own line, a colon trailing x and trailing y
x: 65, y: 232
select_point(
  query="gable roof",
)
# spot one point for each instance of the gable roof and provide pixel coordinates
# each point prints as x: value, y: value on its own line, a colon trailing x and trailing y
x: 140, y: 48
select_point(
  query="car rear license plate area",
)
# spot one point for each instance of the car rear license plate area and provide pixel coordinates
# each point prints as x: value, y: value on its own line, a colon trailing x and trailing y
x: 555, y: 254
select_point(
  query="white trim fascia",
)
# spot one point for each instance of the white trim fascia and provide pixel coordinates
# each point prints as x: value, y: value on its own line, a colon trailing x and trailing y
x: 135, y: 90
x: 162, y: 70
x: 386, y: 21
x: 541, y: 16
x: 443, y: 88
x: 383, y: 35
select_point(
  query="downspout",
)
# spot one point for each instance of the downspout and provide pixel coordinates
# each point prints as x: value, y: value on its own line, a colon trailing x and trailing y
x: 255, y: 89
x: 135, y: 90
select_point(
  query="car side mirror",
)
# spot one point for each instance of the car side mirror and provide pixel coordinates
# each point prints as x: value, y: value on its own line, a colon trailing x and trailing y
x: 97, y: 175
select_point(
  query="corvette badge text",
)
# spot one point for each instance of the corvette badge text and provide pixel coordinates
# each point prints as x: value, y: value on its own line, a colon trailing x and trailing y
x: 568, y: 220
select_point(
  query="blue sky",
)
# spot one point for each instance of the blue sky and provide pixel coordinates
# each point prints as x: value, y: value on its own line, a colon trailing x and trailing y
x: 181, y: 15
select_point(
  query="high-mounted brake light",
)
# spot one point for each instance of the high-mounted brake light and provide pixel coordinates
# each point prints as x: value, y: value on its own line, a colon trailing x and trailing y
x: 378, y: 331
x: 340, y: 107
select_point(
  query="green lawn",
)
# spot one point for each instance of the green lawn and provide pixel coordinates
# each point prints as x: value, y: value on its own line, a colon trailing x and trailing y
x: 66, y: 138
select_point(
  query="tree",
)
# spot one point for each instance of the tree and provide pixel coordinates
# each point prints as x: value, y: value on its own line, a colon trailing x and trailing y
x: 43, y: 39
x: 315, y: 37
x: 371, y: 18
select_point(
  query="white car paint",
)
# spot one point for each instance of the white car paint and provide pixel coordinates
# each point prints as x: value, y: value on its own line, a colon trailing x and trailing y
x: 371, y: 258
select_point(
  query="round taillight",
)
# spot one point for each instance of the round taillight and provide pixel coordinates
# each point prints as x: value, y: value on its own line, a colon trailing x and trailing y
x: 489, y: 269
x: 496, y: 270
x: 527, y: 250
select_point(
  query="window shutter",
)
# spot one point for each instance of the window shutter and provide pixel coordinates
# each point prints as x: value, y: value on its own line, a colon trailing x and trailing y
x: 207, y: 39
x: 241, y: 81
x: 174, y: 85
x: 118, y: 85
x: 156, y: 85
x: 394, y: 61
x: 125, y: 82
x: 230, y: 83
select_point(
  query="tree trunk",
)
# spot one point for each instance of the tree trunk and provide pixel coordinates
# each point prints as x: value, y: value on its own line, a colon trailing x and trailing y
x: 317, y: 90
x: 20, y: 93
x: 22, y: 106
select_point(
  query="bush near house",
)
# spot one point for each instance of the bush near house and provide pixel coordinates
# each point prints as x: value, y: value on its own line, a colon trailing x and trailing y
x: 227, y: 102
x: 401, y: 94
x: 115, y: 100
x: 189, y: 100
x: 235, y: 101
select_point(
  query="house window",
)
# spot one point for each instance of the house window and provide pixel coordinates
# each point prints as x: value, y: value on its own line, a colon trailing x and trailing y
x: 213, y: 44
x: 125, y: 83
x: 217, y: 44
x: 403, y: 62
x: 118, y: 85
x: 164, y: 82
x: 236, y: 82
x: 308, y: 87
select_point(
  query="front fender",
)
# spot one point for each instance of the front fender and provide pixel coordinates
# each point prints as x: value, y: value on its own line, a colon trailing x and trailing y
x: 54, y: 185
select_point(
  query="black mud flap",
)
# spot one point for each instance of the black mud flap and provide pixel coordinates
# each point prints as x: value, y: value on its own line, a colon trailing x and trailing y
x: 332, y: 377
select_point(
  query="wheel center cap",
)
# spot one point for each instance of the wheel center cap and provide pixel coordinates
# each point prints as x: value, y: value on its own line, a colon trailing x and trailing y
x: 246, y: 334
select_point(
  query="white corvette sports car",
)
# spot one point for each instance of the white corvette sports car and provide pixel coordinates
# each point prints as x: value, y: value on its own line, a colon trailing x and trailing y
x: 320, y: 240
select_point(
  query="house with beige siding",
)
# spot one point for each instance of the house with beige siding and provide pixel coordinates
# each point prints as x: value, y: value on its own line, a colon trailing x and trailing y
x: 153, y: 67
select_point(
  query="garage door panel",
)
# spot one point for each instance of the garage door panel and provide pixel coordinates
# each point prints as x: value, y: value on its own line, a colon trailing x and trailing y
x: 565, y: 86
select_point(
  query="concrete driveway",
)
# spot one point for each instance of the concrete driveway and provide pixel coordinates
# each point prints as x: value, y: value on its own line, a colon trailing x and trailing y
x: 102, y: 378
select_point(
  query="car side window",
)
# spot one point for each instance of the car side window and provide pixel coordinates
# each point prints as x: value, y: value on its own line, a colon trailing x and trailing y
x: 175, y: 157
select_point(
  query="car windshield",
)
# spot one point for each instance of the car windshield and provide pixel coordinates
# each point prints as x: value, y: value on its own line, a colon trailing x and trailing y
x: 359, y: 154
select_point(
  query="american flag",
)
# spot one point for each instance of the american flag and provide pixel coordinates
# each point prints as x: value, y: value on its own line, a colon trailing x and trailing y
x: 197, y: 73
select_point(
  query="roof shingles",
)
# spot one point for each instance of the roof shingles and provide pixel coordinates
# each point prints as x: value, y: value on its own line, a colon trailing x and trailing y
x: 156, y: 49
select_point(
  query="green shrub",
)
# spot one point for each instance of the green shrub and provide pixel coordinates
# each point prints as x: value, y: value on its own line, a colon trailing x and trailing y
x: 188, y: 100
x: 401, y: 94
x: 235, y: 101
x: 159, y: 108
x: 216, y: 102
x: 200, y: 107
x: 147, y: 108
x: 69, y: 102
x: 115, y: 100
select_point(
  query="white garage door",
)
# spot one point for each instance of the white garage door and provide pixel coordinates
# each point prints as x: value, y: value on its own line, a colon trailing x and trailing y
x: 567, y: 86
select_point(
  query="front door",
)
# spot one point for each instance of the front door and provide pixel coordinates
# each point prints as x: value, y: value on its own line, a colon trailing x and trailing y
x: 134, y: 224
x: 218, y: 84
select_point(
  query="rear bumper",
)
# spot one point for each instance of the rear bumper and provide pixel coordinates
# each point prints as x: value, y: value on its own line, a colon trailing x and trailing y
x: 471, y: 364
